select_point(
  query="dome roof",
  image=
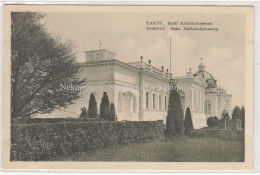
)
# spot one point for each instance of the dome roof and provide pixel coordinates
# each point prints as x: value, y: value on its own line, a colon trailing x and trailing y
x: 208, y: 78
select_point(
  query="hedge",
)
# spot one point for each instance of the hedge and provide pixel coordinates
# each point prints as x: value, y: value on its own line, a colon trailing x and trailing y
x: 43, y: 141
x: 207, y: 132
x: 46, y: 120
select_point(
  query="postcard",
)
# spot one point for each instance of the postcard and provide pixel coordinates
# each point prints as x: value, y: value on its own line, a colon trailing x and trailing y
x: 158, y: 88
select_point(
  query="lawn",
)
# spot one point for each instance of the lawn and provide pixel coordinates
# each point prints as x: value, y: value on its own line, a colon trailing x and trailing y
x: 169, y: 150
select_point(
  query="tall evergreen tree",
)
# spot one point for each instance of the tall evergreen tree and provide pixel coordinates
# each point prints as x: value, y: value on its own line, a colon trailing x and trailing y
x: 92, y: 107
x: 105, y: 107
x: 188, y: 122
x: 174, y: 122
x: 236, y: 114
x: 243, y: 117
x: 112, y: 112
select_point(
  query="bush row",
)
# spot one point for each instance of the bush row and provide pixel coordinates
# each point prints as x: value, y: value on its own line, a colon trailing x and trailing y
x: 49, y: 120
x: 42, y: 141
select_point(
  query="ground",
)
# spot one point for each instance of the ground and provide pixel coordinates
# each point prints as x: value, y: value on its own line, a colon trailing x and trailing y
x: 183, y: 149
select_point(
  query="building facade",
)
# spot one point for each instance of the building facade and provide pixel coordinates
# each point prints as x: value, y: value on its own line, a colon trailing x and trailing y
x: 140, y: 91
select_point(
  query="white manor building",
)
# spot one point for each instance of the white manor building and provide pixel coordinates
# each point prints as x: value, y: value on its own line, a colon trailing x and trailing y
x: 140, y: 91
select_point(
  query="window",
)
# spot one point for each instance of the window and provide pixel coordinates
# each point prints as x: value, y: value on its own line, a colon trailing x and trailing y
x: 134, y: 104
x: 119, y: 102
x: 101, y: 56
x: 160, y: 102
x: 97, y: 56
x: 147, y: 100
x: 126, y: 103
x: 207, y: 107
x: 154, y: 101
x: 165, y: 102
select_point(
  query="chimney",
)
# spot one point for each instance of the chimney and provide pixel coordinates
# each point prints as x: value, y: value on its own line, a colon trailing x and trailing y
x: 151, y: 67
x: 189, y: 74
x: 162, y: 71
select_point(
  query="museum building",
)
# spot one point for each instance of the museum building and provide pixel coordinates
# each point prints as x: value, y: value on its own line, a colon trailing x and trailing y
x: 140, y: 91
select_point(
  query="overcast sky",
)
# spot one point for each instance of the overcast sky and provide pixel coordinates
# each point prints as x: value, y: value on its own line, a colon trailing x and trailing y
x: 223, y: 52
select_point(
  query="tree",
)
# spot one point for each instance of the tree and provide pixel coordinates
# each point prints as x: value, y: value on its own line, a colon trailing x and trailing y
x: 113, y: 112
x: 236, y: 114
x: 104, y: 107
x: 40, y: 64
x: 84, y: 113
x: 92, y: 107
x: 174, y: 122
x: 188, y: 122
x: 216, y: 121
x: 243, y: 117
x: 225, y: 118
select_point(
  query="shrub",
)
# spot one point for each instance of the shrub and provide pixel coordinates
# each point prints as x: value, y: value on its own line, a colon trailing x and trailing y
x: 92, y: 107
x: 43, y: 141
x: 236, y: 114
x: 47, y: 120
x: 210, y: 132
x: 84, y: 113
x: 174, y: 121
x: 212, y: 121
x: 188, y: 122
x: 104, y: 107
x: 113, y: 112
x: 243, y: 117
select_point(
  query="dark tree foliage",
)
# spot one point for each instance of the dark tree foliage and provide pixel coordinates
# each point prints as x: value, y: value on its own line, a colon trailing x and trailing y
x: 113, y: 112
x: 92, y: 107
x: 84, y: 113
x: 174, y: 122
x: 242, y: 117
x: 236, y: 114
x: 225, y: 118
x: 40, y: 63
x: 188, y: 125
x: 105, y: 107
x: 212, y: 121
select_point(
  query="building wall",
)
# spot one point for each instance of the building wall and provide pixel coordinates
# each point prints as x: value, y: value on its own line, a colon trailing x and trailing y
x: 194, y: 99
x: 158, y: 96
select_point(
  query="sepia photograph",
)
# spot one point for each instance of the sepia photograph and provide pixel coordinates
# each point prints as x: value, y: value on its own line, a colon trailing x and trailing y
x: 136, y: 87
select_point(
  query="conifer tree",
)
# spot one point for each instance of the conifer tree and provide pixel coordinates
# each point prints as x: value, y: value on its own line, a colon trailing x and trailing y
x: 243, y: 117
x: 105, y: 107
x: 83, y: 113
x: 112, y: 112
x: 188, y: 122
x: 92, y: 107
x: 174, y: 122
x: 236, y: 114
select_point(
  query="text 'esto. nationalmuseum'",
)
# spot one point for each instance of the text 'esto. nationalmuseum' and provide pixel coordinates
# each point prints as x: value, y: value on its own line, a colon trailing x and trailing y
x: 140, y: 91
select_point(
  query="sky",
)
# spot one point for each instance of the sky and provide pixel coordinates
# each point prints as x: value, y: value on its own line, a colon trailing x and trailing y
x: 125, y: 34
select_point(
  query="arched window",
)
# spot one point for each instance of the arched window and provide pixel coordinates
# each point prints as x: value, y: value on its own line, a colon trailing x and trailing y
x: 119, y: 102
x: 154, y: 101
x: 134, y: 104
x: 207, y: 107
x: 160, y: 102
x: 147, y: 100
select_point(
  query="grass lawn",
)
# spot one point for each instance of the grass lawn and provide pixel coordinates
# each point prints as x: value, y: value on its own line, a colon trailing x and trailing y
x: 175, y: 150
